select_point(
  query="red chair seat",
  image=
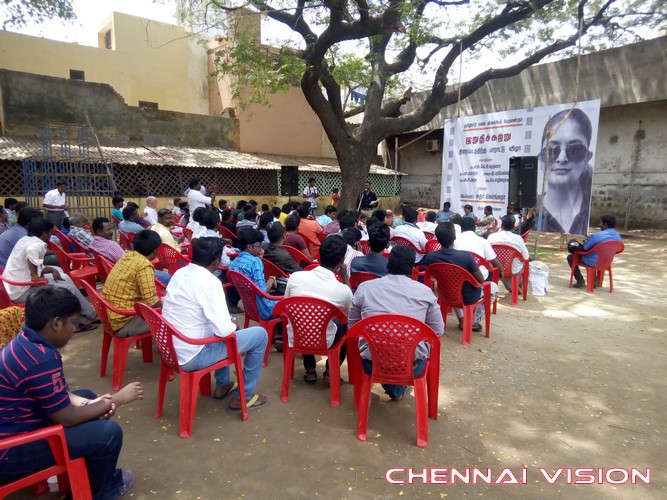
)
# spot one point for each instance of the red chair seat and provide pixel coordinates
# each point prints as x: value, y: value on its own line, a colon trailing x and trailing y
x: 606, y: 251
x: 5, y: 301
x: 78, y: 266
x: 191, y: 383
x: 392, y: 339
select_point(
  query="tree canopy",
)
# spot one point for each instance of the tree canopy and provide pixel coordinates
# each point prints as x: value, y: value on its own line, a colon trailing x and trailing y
x: 18, y: 13
x: 385, y: 51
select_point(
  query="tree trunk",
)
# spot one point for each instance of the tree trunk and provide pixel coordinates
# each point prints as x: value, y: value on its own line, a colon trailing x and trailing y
x: 355, y: 163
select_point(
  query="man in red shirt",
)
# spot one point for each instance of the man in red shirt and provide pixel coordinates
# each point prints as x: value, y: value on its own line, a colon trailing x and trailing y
x: 309, y: 229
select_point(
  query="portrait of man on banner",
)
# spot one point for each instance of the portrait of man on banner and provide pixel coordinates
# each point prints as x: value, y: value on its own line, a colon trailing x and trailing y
x: 565, y: 158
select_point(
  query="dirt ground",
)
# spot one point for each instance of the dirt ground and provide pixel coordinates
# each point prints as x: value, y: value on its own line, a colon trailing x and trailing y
x: 565, y: 381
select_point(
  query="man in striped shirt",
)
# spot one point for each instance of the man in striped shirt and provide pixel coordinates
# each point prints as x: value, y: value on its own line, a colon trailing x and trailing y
x: 34, y: 395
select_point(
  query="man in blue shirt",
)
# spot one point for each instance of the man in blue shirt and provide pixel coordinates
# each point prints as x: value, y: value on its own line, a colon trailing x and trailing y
x: 445, y: 213
x: 374, y: 262
x: 606, y: 233
x: 129, y: 223
x: 9, y: 238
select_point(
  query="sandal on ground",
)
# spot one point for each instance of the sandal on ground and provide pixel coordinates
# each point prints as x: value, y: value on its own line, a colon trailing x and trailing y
x: 256, y: 401
x: 232, y: 388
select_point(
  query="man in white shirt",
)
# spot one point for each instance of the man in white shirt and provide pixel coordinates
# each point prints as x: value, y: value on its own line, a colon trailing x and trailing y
x: 195, y: 198
x: 55, y: 204
x: 26, y: 263
x: 321, y: 283
x: 507, y: 237
x: 429, y: 225
x: 471, y: 242
x: 411, y: 232
x: 193, y: 305
x: 149, y: 213
x: 310, y: 194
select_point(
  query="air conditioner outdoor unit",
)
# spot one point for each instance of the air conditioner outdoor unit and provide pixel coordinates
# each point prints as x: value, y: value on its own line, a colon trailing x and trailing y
x: 433, y: 145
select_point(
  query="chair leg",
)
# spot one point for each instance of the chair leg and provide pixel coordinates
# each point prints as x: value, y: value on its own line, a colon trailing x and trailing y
x: 189, y: 389
x: 334, y: 377
x: 526, y: 281
x: 121, y: 347
x: 590, y: 279
x: 364, y: 406
x: 106, y: 346
x: 288, y: 370
x: 162, y: 385
x: 421, y: 410
x: 515, y: 290
x: 611, y: 282
x: 433, y: 386
x: 468, y: 312
x: 147, y: 349
x: 241, y: 382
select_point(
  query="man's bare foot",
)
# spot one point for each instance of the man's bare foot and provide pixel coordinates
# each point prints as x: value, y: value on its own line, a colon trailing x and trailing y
x: 131, y: 392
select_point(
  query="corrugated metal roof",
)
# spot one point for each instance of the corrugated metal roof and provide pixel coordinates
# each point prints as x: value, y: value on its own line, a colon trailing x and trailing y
x: 19, y: 148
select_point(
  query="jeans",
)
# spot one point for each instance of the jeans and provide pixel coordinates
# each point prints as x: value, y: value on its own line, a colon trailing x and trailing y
x: 98, y: 441
x: 162, y: 276
x: 309, y: 362
x: 395, y: 390
x: 577, y: 273
x: 251, y: 341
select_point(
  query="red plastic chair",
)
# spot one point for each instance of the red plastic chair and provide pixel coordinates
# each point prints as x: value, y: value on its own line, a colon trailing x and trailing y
x: 191, y: 382
x: 525, y: 235
x: 187, y: 233
x: 365, y: 247
x: 171, y: 259
x: 450, y: 279
x: 249, y: 292
x: 104, y: 266
x: 506, y: 255
x: 495, y: 273
x: 226, y: 233
x: 116, y: 220
x: 309, y: 318
x: 5, y: 301
x: 121, y: 346
x: 78, y: 266
x: 392, y: 339
x: 125, y: 240
x: 358, y: 278
x: 432, y: 246
x: 399, y: 240
x: 606, y: 252
x: 322, y: 236
x: 72, y: 474
x: 270, y: 269
x: 299, y: 256
x: 429, y: 236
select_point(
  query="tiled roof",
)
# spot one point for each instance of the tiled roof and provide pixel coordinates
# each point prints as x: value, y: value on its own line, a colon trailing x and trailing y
x: 18, y: 148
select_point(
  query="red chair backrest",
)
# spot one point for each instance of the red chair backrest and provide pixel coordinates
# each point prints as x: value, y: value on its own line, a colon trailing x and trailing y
x: 309, y: 318
x: 606, y: 251
x: 248, y: 292
x: 482, y: 262
x: 100, y: 305
x: 392, y: 339
x: 170, y: 258
x: 322, y: 236
x: 162, y: 333
x: 506, y: 255
x: 365, y: 247
x: 298, y: 255
x: 65, y: 241
x: 226, y: 233
x: 187, y: 233
x: 270, y: 269
x: 429, y: 236
x: 176, y: 219
x: 104, y: 266
x: 525, y: 235
x: 5, y: 301
x: 126, y: 240
x: 450, y: 279
x: 115, y: 220
x: 358, y: 278
x: 399, y: 240
x: 432, y: 246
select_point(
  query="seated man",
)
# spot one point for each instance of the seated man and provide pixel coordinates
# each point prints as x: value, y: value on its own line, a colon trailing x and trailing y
x: 471, y: 242
x: 117, y: 202
x: 411, y: 232
x: 132, y: 280
x: 607, y: 233
x: 77, y: 229
x: 26, y: 263
x: 34, y: 395
x: 161, y: 227
x: 352, y: 237
x: 140, y: 220
x: 414, y: 299
x: 374, y: 262
x: 507, y: 237
x: 309, y: 228
x: 329, y: 215
x: 292, y: 238
x: 444, y: 214
x: 429, y: 225
x: 129, y: 223
x: 446, y: 236
x: 9, y: 238
x: 149, y: 213
x: 193, y: 306
x: 321, y: 283
x: 275, y: 252
x: 211, y: 221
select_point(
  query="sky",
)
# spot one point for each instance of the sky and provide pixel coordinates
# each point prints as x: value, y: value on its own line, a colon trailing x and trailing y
x: 91, y: 15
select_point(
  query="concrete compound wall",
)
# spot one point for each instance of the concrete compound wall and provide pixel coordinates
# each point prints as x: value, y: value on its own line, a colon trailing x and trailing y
x: 29, y: 100
x: 630, y: 167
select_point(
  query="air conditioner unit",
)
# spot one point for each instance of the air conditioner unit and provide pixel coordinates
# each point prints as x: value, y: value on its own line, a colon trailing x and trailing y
x: 433, y: 145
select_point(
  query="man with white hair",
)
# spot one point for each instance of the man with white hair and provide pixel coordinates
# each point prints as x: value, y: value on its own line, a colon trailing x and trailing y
x: 149, y: 213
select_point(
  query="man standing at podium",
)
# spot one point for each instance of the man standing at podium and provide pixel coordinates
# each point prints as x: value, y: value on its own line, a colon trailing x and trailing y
x: 368, y: 201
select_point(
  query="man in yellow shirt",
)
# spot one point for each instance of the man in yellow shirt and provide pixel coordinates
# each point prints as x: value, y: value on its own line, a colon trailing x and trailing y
x: 131, y: 280
x: 161, y: 227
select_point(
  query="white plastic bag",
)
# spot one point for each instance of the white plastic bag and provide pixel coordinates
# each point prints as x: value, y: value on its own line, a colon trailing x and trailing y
x: 539, y: 279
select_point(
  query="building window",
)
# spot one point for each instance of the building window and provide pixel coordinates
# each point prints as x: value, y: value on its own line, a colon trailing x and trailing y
x: 76, y: 74
x: 107, y: 40
x: 148, y: 105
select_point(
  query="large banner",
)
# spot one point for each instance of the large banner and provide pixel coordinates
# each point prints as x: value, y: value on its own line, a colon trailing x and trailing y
x: 477, y: 150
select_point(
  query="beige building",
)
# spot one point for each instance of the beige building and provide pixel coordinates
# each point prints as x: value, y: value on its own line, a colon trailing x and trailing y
x: 150, y: 64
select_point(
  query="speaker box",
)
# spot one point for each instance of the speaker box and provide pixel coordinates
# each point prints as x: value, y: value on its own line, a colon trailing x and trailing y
x: 289, y: 180
x: 523, y: 181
